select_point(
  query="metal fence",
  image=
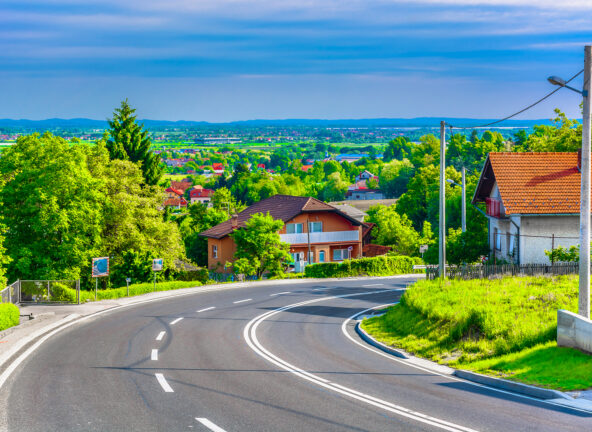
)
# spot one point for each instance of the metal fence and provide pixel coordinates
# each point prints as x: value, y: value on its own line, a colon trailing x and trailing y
x: 48, y: 291
x: 230, y: 277
x: 496, y: 271
x: 11, y: 294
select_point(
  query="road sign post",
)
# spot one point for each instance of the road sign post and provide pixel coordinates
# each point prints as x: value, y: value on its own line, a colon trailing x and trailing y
x: 100, y: 268
x: 157, y: 265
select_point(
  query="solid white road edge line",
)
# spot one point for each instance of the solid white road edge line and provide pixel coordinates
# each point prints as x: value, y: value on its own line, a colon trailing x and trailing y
x: 250, y: 335
x: 433, y: 372
x: 280, y: 293
x: 242, y: 301
x: 372, y: 285
x: 160, y: 335
x: 206, y: 309
x: 163, y: 383
x: 176, y: 321
x: 211, y: 426
x: 154, y: 354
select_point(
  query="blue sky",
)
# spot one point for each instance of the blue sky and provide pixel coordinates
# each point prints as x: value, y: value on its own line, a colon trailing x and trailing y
x: 224, y: 60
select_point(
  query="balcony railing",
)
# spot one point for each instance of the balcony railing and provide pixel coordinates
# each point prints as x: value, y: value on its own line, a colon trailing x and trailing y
x: 321, y: 237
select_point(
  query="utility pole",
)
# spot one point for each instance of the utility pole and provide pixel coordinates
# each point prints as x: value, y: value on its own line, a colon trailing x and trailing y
x: 442, y: 230
x: 584, y: 289
x: 464, y: 201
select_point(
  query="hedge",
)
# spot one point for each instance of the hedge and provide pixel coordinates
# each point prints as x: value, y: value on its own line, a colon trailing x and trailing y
x: 9, y: 316
x: 375, y: 266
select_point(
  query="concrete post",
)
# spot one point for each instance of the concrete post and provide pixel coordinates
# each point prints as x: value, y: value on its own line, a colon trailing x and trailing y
x: 442, y: 227
x: 584, y: 296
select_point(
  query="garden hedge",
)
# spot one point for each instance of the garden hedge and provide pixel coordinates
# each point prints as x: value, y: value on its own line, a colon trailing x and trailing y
x: 375, y: 266
x: 9, y: 316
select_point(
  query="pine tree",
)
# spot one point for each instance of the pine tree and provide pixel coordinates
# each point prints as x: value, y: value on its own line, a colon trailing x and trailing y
x: 129, y: 141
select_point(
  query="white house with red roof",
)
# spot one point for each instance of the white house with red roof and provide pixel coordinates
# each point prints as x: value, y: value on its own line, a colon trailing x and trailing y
x: 533, y: 204
x: 200, y: 195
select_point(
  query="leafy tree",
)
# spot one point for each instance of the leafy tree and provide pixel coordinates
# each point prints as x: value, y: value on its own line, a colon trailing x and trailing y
x: 335, y: 188
x: 564, y: 135
x: 399, y: 149
x: 562, y: 254
x: 394, y: 230
x: 394, y: 177
x: 129, y: 141
x: 260, y: 243
x: 200, y: 218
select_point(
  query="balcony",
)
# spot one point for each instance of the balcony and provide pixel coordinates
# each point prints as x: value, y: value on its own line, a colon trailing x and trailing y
x: 494, y: 207
x: 321, y: 237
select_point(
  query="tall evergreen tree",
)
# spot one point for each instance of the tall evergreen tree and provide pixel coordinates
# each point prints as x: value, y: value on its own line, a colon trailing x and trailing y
x: 129, y: 141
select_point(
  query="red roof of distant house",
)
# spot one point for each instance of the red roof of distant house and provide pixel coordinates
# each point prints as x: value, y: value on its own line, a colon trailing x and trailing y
x: 261, y: 166
x: 175, y: 191
x: 216, y: 166
x: 532, y: 183
x: 305, y: 168
x: 181, y: 185
x: 176, y: 202
x: 201, y: 193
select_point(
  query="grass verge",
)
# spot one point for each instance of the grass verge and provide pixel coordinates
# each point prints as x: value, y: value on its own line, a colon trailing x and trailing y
x: 506, y: 328
x: 9, y: 316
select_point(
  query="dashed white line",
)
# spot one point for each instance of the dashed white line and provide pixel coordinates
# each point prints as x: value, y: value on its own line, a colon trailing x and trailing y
x: 176, y: 321
x: 211, y: 426
x: 160, y: 335
x: 372, y: 285
x: 319, y: 289
x: 242, y: 301
x: 283, y: 292
x: 163, y: 383
x: 154, y: 355
x: 206, y: 309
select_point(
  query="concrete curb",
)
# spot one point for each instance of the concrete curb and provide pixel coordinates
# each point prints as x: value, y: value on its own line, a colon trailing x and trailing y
x: 499, y: 383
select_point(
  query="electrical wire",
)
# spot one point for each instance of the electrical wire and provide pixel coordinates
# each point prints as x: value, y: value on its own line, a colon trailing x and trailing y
x: 522, y: 110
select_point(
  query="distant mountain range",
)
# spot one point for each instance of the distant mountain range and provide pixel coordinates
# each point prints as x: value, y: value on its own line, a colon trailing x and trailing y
x: 85, y: 123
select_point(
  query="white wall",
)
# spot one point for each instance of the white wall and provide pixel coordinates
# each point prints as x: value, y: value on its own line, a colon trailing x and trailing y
x: 541, y: 228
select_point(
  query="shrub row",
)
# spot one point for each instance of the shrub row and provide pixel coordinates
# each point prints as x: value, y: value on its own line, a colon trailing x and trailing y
x: 375, y: 266
x: 9, y: 316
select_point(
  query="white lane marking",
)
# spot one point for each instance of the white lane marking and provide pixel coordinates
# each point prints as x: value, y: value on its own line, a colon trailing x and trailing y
x: 242, y: 301
x: 163, y: 383
x: 206, y: 309
x: 160, y: 335
x: 211, y: 426
x: 372, y: 285
x: 280, y: 293
x: 250, y: 335
x: 176, y: 321
x: 154, y: 355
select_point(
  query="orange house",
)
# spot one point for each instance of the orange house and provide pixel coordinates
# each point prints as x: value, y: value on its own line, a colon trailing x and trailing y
x: 316, y: 231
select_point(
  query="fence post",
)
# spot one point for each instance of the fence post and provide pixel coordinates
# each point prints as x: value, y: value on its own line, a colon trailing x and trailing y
x: 9, y: 294
x: 19, y: 291
x: 47, y: 290
x: 78, y: 291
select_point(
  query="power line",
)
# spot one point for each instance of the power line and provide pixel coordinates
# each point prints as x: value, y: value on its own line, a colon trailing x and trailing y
x: 521, y: 111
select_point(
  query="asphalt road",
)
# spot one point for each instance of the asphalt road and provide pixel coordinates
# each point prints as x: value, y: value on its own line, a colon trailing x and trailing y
x: 234, y: 362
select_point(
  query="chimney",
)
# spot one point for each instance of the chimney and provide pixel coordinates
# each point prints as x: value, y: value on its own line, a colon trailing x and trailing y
x: 234, y: 220
x: 580, y: 160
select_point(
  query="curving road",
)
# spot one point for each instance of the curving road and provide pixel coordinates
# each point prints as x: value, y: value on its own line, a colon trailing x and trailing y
x: 253, y: 359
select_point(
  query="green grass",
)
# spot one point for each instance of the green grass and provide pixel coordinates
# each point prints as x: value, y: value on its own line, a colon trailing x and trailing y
x: 9, y: 316
x: 505, y: 327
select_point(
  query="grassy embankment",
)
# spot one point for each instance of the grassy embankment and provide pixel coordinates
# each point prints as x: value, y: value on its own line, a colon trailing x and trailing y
x: 506, y: 328
x: 9, y: 316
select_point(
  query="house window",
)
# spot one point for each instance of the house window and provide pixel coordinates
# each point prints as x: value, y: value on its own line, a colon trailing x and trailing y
x: 340, y: 254
x: 322, y: 256
x: 497, y: 239
x: 214, y: 251
x: 294, y: 228
x: 315, y: 227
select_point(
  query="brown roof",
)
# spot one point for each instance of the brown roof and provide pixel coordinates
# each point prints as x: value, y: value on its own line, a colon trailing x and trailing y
x: 532, y: 183
x: 176, y: 202
x: 372, y: 250
x: 283, y: 207
x: 180, y: 185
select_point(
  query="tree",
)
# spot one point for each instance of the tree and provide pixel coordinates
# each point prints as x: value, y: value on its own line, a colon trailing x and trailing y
x: 129, y: 141
x: 335, y: 188
x: 200, y: 218
x: 564, y: 135
x: 395, y: 176
x: 399, y: 148
x: 394, y: 230
x: 260, y: 243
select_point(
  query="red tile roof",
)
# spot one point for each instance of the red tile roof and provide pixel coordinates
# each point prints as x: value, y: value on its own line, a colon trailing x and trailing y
x: 175, y: 191
x: 201, y: 193
x: 283, y: 207
x: 180, y: 185
x: 532, y: 183
x: 175, y: 202
x: 218, y: 166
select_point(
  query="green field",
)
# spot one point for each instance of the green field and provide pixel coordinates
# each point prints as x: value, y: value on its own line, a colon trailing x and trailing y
x: 501, y: 327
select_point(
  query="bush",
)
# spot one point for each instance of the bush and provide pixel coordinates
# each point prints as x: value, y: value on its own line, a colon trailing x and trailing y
x: 134, y: 290
x: 61, y: 293
x: 9, y: 316
x: 376, y: 266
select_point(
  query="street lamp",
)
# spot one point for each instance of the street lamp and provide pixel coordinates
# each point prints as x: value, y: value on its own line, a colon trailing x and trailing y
x: 585, y: 191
